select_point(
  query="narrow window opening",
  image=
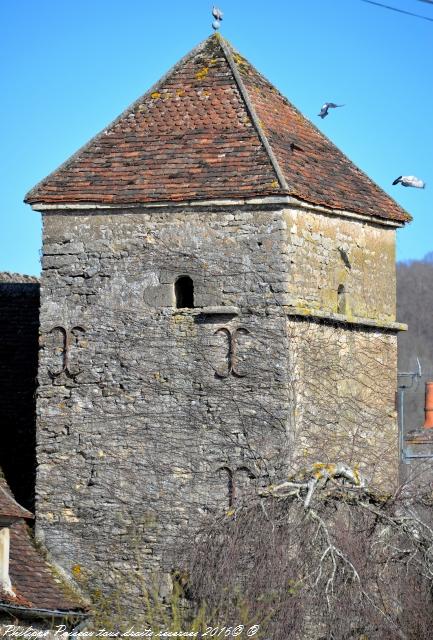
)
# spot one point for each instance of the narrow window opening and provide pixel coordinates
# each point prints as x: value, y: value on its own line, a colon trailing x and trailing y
x: 184, y: 293
x: 341, y: 299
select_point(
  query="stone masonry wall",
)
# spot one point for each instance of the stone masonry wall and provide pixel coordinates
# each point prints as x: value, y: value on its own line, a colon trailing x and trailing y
x: 343, y: 377
x: 343, y: 407
x: 327, y: 252
x: 19, y: 322
x: 151, y: 418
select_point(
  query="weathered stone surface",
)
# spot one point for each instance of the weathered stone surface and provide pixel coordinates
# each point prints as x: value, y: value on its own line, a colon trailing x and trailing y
x: 151, y: 418
x: 326, y: 252
x: 344, y: 382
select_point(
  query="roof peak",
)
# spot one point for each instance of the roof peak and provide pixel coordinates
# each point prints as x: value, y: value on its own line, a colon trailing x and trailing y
x: 226, y: 46
x: 213, y: 128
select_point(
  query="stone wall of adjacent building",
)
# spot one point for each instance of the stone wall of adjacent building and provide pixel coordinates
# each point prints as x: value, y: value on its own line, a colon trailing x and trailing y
x: 19, y: 324
x: 153, y: 418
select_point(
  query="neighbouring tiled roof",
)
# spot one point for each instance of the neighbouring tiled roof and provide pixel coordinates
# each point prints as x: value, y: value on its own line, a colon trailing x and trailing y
x: 9, y: 507
x: 213, y: 128
x: 35, y: 583
x: 32, y: 578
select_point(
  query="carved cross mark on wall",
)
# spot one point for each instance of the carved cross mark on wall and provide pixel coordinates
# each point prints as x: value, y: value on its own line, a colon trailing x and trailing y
x: 232, y: 359
x: 68, y: 340
x: 232, y: 475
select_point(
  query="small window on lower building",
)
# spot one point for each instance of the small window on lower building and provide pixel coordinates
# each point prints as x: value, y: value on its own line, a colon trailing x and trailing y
x: 184, y: 293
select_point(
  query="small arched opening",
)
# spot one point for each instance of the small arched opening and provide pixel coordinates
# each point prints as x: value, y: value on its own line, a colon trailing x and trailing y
x: 184, y: 293
x: 341, y: 299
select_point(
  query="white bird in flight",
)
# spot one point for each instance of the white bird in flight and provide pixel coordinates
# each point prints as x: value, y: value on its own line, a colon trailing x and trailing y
x: 410, y: 181
x: 328, y: 105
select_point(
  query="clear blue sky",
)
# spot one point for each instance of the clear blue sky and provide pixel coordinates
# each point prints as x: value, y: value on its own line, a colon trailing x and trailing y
x: 68, y: 67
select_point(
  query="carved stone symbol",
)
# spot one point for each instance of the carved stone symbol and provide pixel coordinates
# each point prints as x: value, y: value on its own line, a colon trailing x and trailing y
x: 69, y: 339
x: 232, y: 360
x: 231, y: 478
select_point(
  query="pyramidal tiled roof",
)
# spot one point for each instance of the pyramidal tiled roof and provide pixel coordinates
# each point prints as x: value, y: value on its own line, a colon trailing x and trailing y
x: 213, y: 128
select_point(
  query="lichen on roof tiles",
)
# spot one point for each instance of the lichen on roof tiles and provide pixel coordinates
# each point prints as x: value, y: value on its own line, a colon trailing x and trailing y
x: 34, y: 580
x: 213, y: 128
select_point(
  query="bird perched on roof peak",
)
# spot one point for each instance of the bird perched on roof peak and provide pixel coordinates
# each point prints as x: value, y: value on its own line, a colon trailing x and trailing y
x: 218, y: 15
x: 325, y: 108
x: 410, y: 181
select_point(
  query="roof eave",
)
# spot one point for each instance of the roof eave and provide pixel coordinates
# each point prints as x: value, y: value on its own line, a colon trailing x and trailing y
x: 280, y: 199
x: 48, y: 614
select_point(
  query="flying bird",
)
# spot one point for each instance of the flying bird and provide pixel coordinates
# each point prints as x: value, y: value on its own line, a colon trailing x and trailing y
x: 410, y: 181
x: 217, y: 13
x: 325, y: 108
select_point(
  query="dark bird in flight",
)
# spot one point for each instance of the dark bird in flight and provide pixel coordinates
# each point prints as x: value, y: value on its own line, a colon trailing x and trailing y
x: 325, y: 108
x: 410, y: 181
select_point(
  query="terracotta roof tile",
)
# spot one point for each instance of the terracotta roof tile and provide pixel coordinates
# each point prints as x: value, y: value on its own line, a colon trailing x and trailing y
x: 213, y: 128
x: 315, y: 169
x: 9, y: 507
x: 35, y: 583
x: 33, y: 580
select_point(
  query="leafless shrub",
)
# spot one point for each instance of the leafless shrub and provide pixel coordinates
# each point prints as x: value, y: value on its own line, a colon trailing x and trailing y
x: 355, y: 563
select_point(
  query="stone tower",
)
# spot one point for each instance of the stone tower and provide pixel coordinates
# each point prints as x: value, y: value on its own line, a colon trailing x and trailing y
x: 217, y: 310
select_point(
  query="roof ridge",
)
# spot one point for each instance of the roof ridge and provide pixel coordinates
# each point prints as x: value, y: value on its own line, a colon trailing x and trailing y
x: 87, y: 144
x: 324, y: 135
x: 252, y: 112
